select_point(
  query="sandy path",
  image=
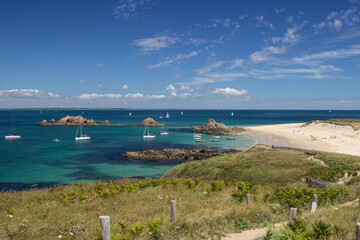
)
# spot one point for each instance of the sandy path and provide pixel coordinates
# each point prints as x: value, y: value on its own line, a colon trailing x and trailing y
x: 317, y: 136
x: 250, y: 234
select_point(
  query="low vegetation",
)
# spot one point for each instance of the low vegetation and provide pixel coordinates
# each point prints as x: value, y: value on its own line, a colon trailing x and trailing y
x: 355, y: 123
x: 210, y: 198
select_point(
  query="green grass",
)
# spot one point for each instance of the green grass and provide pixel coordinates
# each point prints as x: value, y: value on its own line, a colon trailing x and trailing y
x: 206, y: 208
x: 355, y: 123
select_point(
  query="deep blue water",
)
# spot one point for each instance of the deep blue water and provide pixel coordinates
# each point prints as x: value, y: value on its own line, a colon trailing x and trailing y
x: 35, y: 160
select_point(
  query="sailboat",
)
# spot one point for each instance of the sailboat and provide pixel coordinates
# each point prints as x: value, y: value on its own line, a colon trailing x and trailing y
x: 13, y: 135
x: 148, y: 135
x: 129, y: 113
x: 197, y: 136
x: 167, y: 115
x: 81, y: 136
x: 182, y: 113
x: 163, y: 132
x: 40, y: 111
x: 232, y: 114
x: 160, y: 116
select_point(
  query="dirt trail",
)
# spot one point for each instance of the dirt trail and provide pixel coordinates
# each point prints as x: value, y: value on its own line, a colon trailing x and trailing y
x: 251, y: 234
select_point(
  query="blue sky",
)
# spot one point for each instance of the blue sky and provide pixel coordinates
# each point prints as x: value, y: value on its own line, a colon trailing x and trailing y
x: 180, y: 54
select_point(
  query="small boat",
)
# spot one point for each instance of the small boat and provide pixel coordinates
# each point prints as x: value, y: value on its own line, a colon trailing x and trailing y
x: 216, y: 136
x: 129, y: 113
x: 182, y: 113
x: 230, y: 138
x: 148, y: 135
x: 214, y: 140
x: 167, y: 115
x: 56, y: 140
x: 162, y: 131
x: 41, y: 112
x: 13, y: 134
x: 232, y: 114
x: 200, y: 140
x: 161, y: 116
x: 81, y: 136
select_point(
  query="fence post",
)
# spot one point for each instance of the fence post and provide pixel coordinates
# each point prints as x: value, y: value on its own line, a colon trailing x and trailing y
x: 292, y: 214
x: 314, y: 204
x: 247, y: 199
x: 105, y: 227
x: 173, y: 210
x: 358, y: 231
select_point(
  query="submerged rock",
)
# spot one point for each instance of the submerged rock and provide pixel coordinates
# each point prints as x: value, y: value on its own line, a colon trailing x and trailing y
x: 178, y: 154
x: 212, y: 127
x: 150, y: 122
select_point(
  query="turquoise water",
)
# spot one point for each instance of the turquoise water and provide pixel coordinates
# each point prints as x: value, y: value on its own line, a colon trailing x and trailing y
x: 35, y: 160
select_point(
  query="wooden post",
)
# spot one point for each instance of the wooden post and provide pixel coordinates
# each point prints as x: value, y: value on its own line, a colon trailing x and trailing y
x: 105, y: 227
x: 292, y: 214
x: 247, y: 199
x: 314, y: 204
x: 173, y: 210
x: 358, y: 231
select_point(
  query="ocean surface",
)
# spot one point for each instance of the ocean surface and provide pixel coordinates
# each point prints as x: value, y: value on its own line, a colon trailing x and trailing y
x: 36, y: 161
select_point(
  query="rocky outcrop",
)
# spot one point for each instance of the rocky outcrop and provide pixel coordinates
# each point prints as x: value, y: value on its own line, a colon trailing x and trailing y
x: 69, y: 121
x: 177, y: 154
x: 212, y: 127
x: 150, y: 122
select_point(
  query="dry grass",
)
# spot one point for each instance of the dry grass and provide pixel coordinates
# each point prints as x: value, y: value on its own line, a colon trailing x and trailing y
x: 355, y: 123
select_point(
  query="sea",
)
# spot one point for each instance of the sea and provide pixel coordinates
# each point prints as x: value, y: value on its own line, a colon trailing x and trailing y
x: 36, y: 161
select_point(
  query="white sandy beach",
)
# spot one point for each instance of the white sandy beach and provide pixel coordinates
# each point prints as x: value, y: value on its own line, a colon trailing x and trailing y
x: 317, y: 136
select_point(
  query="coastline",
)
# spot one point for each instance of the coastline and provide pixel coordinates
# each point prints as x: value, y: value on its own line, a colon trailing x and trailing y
x: 322, y: 137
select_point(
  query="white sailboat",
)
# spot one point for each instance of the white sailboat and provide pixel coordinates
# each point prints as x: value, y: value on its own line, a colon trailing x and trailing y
x: 13, y: 135
x: 148, y: 135
x: 163, y: 132
x: 167, y: 115
x: 81, y: 136
x: 40, y: 111
x: 129, y: 113
x: 232, y: 114
x: 182, y: 113
x: 160, y: 116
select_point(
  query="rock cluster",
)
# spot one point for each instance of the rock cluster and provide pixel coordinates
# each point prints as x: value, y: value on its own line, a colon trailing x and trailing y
x: 150, y: 122
x: 177, y: 154
x: 69, y: 121
x: 212, y: 127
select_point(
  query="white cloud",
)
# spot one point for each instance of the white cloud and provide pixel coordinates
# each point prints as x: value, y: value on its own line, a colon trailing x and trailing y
x: 148, y: 45
x: 277, y: 11
x: 230, y: 91
x: 185, y: 94
x: 217, y: 77
x: 99, y: 65
x: 261, y: 21
x: 186, y: 88
x: 155, y: 96
x: 291, y: 37
x: 336, y: 20
x: 88, y: 96
x: 237, y: 63
x: 173, y: 94
x: 134, y: 95
x: 26, y: 93
x: 340, y: 53
x: 125, y: 87
x: 265, y: 54
x: 178, y: 57
x: 171, y: 88
x: 130, y: 8
x: 225, y: 22
x: 209, y: 67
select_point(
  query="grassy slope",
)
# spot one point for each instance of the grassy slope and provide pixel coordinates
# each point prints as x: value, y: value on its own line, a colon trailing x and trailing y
x: 200, y: 214
x: 355, y: 123
x: 258, y: 165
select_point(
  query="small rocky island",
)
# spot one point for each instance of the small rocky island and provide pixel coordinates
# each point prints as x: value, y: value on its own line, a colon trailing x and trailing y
x: 212, y: 127
x: 178, y: 154
x: 151, y: 122
x: 69, y: 121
